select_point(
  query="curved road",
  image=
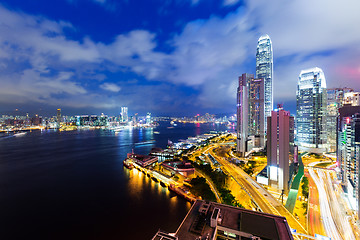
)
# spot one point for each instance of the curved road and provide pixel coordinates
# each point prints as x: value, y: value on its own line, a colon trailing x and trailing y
x: 263, y: 199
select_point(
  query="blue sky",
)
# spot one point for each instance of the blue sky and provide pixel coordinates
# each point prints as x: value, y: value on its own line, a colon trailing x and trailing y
x: 169, y: 57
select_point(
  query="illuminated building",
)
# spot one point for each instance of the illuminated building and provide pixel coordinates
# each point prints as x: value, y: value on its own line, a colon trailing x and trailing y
x: 92, y: 120
x: 349, y: 152
x: 250, y: 113
x: 210, y: 220
x: 264, y: 69
x: 58, y: 118
x: 280, y: 148
x: 256, y: 112
x: 335, y: 98
x: 124, y: 114
x: 148, y: 118
x: 311, y: 103
x: 352, y: 98
x: 242, y: 114
x: 36, y: 120
x: 142, y: 160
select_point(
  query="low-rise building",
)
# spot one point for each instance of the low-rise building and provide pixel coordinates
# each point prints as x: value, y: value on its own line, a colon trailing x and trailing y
x: 210, y: 220
x: 142, y: 160
x: 182, y: 167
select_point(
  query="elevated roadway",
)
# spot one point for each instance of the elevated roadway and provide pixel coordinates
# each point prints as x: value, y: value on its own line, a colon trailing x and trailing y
x: 263, y: 199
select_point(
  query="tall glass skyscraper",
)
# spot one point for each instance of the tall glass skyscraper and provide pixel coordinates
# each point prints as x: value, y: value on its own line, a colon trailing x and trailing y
x: 311, y: 103
x: 124, y: 114
x: 264, y: 69
x: 335, y: 98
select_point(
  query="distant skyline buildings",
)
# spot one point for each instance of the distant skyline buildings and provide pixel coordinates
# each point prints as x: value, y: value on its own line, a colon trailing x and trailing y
x: 264, y: 69
x: 311, y: 103
x: 124, y: 114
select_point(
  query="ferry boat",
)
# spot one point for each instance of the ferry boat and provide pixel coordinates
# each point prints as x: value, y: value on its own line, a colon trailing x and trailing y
x: 145, y: 142
x: 20, y: 134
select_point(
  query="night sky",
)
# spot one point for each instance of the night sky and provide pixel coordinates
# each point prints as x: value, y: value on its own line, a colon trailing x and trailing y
x: 167, y: 57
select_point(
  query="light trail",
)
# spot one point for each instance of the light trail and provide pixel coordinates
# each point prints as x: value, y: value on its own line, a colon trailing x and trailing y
x: 341, y: 219
x: 326, y: 217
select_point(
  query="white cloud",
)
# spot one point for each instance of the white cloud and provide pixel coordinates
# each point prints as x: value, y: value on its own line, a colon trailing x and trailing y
x: 230, y: 2
x: 112, y: 87
x: 209, y: 54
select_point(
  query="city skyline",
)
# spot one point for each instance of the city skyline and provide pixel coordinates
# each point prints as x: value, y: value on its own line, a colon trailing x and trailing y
x: 179, y: 57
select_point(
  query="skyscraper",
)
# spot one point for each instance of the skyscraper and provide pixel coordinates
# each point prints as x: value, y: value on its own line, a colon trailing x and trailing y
x: 58, y: 118
x: 349, y: 152
x: 311, y: 103
x: 280, y: 148
x: 264, y: 69
x: 124, y: 114
x: 148, y: 118
x: 250, y: 113
x: 335, y: 98
x: 243, y: 113
x: 256, y: 111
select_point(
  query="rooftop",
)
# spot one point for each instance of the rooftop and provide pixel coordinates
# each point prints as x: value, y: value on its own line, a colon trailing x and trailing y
x: 208, y: 219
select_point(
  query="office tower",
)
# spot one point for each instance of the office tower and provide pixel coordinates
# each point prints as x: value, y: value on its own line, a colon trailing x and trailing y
x: 250, y: 113
x: 58, y: 118
x: 335, y: 98
x: 257, y: 111
x: 352, y: 98
x: 242, y: 113
x: 311, y: 103
x: 264, y: 69
x: 345, y: 113
x: 280, y: 148
x: 148, y: 118
x: 349, y: 152
x: 124, y: 114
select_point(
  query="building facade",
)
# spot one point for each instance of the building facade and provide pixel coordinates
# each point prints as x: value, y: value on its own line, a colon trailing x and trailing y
x: 349, y: 155
x: 311, y: 104
x: 250, y: 114
x: 335, y: 98
x: 124, y: 115
x: 352, y: 98
x: 58, y: 118
x: 256, y: 102
x: 242, y: 114
x: 280, y: 148
x: 264, y: 69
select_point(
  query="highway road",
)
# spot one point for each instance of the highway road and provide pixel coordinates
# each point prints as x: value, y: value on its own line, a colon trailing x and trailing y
x: 266, y: 202
x: 315, y: 225
x: 335, y: 221
x: 217, y: 195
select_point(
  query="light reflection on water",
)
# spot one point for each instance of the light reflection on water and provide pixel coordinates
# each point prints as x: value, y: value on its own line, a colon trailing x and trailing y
x: 74, y: 184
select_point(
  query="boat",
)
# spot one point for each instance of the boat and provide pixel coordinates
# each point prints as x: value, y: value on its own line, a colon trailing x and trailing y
x: 20, y: 134
x: 145, y: 142
x: 128, y: 164
x: 156, y: 132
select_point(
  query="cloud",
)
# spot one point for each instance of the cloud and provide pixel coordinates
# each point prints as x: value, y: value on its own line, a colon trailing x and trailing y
x: 230, y: 2
x: 207, y: 57
x: 110, y: 87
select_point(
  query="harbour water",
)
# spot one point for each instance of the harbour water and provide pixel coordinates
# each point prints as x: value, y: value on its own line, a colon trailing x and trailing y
x: 72, y: 185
